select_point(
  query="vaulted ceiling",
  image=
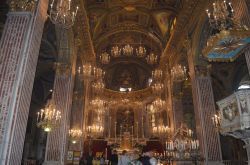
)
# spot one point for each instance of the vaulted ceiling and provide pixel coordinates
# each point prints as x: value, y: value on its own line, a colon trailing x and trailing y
x: 149, y: 23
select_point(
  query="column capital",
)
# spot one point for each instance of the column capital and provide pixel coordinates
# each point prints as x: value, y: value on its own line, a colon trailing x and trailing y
x: 23, y: 5
x: 202, y: 70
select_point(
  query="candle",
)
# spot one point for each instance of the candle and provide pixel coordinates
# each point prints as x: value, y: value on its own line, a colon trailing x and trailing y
x: 38, y: 116
x: 77, y: 9
x: 51, y: 5
x: 69, y: 4
x: 230, y: 4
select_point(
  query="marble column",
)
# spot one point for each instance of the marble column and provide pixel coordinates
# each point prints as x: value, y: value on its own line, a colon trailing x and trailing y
x: 57, y: 140
x: 242, y: 12
x: 204, y: 110
x: 19, y: 49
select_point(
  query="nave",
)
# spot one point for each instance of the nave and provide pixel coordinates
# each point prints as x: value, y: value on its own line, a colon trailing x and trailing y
x: 124, y: 82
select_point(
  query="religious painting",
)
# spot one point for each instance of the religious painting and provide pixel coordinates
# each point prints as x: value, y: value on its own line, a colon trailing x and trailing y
x: 125, y: 120
x: 163, y: 21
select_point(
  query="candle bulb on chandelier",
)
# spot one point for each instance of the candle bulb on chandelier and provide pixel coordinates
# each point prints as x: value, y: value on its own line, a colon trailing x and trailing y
x: 69, y: 4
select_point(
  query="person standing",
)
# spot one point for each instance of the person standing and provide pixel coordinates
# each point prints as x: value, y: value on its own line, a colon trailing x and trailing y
x: 123, y: 159
x: 89, y: 158
x: 114, y: 158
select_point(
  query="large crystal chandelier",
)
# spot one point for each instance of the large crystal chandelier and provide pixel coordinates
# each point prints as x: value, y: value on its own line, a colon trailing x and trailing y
x: 159, y: 104
x: 151, y: 109
x: 152, y: 58
x: 87, y: 70
x: 105, y: 58
x: 98, y: 87
x: 179, y: 73
x: 222, y: 16
x: 75, y: 135
x: 183, y: 146
x: 127, y: 50
x: 98, y: 73
x: 161, y: 129
x: 98, y: 103
x: 48, y: 118
x: 62, y: 14
x: 157, y: 75
x: 157, y: 88
x: 95, y: 129
x: 115, y: 51
x: 141, y: 51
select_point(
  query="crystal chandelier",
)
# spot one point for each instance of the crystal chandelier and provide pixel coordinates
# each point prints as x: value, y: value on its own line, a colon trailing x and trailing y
x: 105, y: 58
x: 75, y: 135
x: 98, y: 103
x: 157, y: 75
x: 87, y: 70
x: 98, y: 73
x: 183, y: 146
x: 161, y: 129
x: 222, y: 16
x: 128, y: 50
x: 179, y: 73
x: 152, y: 58
x: 115, y: 51
x: 48, y: 118
x: 141, y: 51
x: 98, y: 87
x: 62, y: 14
x: 159, y: 104
x: 95, y: 129
x: 216, y: 121
x: 157, y: 88
x: 151, y: 109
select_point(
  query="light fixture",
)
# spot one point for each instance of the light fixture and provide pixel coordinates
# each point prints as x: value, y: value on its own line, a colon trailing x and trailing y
x: 48, y: 118
x: 152, y: 58
x: 98, y: 73
x: 98, y: 87
x: 141, y: 51
x: 62, y: 14
x: 128, y: 50
x: 183, y: 146
x: 95, y: 130
x: 157, y: 75
x: 87, y: 70
x: 179, y: 73
x: 115, y: 51
x: 105, y: 58
x: 157, y: 88
x: 159, y: 104
x: 75, y: 135
x: 98, y: 103
x: 222, y: 16
x: 161, y: 129
x: 216, y: 120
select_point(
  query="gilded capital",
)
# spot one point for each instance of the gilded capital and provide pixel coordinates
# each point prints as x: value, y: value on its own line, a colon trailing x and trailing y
x: 23, y: 5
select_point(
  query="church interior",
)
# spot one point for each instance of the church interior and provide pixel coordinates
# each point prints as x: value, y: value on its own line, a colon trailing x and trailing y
x: 166, y: 76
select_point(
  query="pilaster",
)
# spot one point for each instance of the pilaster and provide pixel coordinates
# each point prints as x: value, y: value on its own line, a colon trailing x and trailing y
x: 19, y: 49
